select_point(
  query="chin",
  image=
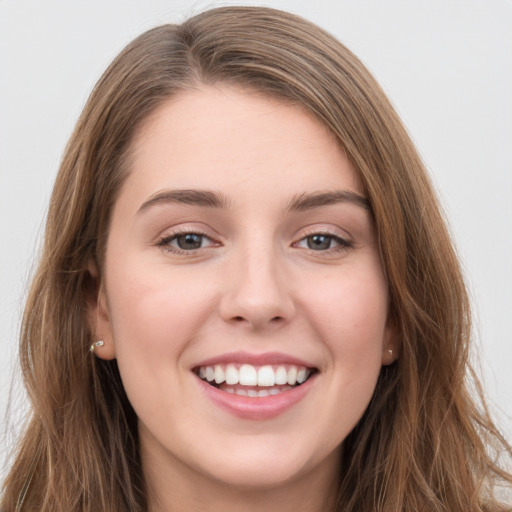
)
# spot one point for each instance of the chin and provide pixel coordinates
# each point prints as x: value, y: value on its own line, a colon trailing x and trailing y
x: 270, y: 462
x: 258, y: 474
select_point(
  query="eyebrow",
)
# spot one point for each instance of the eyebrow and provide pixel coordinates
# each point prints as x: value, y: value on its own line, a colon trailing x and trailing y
x: 210, y: 199
x: 203, y: 198
x: 307, y: 201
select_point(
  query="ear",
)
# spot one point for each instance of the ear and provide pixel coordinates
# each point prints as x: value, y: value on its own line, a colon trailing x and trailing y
x: 99, y: 318
x: 392, y: 343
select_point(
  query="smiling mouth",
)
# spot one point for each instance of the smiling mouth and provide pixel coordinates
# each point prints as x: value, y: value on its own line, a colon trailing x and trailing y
x: 254, y: 381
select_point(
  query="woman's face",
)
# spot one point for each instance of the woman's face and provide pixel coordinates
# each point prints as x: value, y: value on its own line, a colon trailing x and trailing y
x: 241, y: 260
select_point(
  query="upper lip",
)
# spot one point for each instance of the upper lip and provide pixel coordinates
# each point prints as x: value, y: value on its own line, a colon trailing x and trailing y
x: 266, y: 358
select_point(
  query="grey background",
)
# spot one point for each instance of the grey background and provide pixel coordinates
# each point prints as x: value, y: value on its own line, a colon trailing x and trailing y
x: 446, y: 65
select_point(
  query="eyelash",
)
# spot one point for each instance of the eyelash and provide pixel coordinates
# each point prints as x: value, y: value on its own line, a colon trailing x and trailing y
x: 166, y: 241
x: 343, y: 244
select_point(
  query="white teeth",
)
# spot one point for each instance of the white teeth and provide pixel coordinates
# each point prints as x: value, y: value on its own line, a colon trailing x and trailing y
x: 219, y: 374
x: 231, y: 374
x: 302, y: 375
x: 256, y: 393
x: 266, y: 376
x: 281, y: 376
x: 248, y: 375
x: 292, y: 376
x: 210, y: 374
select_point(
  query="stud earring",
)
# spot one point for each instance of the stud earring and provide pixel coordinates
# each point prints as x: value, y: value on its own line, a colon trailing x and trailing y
x: 390, y: 350
x: 99, y: 343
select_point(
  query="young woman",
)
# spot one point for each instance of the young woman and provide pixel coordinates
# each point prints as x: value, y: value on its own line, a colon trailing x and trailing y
x: 248, y: 299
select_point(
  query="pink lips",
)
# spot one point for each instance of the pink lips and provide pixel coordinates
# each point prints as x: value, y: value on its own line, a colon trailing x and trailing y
x: 254, y: 359
x: 261, y: 407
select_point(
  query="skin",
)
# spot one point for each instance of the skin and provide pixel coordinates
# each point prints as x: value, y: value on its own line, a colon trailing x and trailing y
x: 253, y: 285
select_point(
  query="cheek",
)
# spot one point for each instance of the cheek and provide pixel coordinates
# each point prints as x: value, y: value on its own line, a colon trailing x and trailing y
x: 154, y: 314
x: 347, y: 310
x: 351, y: 303
x: 154, y: 318
x: 349, y: 313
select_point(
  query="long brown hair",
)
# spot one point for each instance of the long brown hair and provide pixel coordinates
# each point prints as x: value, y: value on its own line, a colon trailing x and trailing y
x: 425, y: 443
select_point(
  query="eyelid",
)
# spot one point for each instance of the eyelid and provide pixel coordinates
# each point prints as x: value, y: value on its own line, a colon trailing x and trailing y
x: 324, y: 229
x: 344, y: 241
x: 164, y: 240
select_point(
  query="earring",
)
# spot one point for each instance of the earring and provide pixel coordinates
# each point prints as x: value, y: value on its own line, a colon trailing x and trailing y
x: 390, y: 350
x: 99, y: 343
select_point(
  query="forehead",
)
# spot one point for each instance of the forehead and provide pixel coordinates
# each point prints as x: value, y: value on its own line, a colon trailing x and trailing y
x: 238, y: 141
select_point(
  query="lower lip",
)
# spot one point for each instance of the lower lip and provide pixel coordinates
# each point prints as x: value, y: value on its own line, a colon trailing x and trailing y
x: 257, y: 408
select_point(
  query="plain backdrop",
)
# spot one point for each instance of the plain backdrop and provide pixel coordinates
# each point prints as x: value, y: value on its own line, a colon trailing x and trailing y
x: 446, y: 65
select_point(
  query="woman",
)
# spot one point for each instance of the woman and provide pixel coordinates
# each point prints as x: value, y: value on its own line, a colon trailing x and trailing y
x: 248, y: 299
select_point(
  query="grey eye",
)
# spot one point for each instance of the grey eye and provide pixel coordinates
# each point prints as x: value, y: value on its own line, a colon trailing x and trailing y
x: 189, y: 241
x: 319, y: 242
x: 323, y: 242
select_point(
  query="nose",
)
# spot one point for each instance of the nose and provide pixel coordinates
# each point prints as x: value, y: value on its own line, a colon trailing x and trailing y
x: 257, y: 293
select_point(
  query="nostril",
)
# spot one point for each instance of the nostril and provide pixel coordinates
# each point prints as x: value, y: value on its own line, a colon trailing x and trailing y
x: 273, y: 320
